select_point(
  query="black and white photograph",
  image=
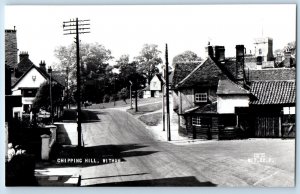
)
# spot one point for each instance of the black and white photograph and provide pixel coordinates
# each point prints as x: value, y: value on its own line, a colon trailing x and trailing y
x: 150, y: 95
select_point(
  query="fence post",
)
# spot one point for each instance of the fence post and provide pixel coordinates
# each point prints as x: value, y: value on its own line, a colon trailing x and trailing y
x: 45, y: 147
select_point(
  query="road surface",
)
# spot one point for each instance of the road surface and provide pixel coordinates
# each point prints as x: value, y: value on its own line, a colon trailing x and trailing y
x: 137, y: 159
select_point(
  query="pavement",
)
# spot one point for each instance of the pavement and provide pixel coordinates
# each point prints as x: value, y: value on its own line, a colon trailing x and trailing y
x: 121, y: 151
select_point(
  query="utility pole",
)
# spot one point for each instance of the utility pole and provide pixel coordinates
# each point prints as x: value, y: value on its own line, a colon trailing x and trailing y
x: 67, y: 84
x: 167, y: 95
x: 77, y: 27
x: 163, y: 106
x: 51, y: 104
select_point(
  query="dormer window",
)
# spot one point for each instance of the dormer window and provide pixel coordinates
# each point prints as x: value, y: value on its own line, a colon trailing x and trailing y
x: 201, y: 97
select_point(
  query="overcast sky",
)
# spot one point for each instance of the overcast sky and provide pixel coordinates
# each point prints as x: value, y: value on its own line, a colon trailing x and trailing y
x: 124, y: 29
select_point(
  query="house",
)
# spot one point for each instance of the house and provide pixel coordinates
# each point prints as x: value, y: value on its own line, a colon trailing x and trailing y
x: 215, y: 98
x: 28, y: 84
x: 155, y: 89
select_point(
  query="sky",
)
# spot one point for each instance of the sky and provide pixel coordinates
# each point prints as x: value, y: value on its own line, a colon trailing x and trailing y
x: 124, y: 29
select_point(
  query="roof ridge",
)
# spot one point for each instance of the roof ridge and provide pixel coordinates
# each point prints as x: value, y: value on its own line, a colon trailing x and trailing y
x: 290, y: 80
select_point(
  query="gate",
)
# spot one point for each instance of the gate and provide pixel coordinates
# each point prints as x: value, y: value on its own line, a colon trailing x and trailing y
x: 267, y: 126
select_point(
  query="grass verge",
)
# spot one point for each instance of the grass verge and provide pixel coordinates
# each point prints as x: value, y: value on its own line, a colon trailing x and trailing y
x: 146, y: 109
x: 151, y: 119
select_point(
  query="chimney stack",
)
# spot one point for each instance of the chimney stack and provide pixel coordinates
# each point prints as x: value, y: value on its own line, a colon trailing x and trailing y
x: 220, y: 53
x: 210, y: 51
x: 23, y: 55
x: 240, y: 54
x: 43, y: 66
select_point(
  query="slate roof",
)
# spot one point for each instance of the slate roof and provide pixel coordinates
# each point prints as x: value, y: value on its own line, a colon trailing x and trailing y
x: 273, y: 92
x: 226, y: 86
x: 271, y: 74
x: 181, y: 70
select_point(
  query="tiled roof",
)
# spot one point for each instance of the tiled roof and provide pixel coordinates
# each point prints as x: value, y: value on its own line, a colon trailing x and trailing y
x: 271, y: 74
x: 226, y: 86
x: 181, y: 70
x: 57, y: 78
x: 273, y: 92
x: 24, y: 65
x: 205, y: 72
x: 207, y: 109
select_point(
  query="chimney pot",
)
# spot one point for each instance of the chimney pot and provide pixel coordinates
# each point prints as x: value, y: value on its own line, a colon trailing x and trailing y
x: 23, y: 55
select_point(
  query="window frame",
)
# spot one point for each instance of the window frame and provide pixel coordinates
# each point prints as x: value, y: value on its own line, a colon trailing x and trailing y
x: 201, y: 96
x: 196, y: 121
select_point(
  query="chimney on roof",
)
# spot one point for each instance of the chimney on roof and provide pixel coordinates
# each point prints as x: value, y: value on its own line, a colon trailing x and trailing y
x: 43, y: 66
x: 210, y: 51
x: 240, y: 56
x: 220, y: 53
x: 23, y: 55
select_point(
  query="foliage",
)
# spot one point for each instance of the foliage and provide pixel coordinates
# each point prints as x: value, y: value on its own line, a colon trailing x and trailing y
x: 128, y: 73
x: 106, y: 98
x: 95, y: 69
x: 42, y: 98
x: 123, y: 94
x: 114, y: 97
x: 148, y: 60
x: 186, y: 56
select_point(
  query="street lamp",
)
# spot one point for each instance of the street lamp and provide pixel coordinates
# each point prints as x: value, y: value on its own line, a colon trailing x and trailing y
x: 130, y: 95
x: 51, y: 106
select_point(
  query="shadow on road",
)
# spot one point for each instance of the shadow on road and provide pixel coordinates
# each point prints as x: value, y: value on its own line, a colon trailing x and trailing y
x: 124, y: 175
x: 96, y: 155
x: 174, y: 181
x: 70, y: 115
x: 62, y: 135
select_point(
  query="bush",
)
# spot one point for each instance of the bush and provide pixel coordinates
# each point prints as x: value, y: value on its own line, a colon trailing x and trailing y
x: 114, y: 97
x: 123, y: 94
x: 106, y: 98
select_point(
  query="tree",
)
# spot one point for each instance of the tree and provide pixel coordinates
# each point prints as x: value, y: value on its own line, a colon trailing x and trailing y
x: 128, y: 72
x: 95, y: 68
x: 42, y: 98
x: 148, y: 60
x: 186, y: 56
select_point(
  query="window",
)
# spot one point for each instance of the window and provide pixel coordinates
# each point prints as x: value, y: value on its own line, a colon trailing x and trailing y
x: 259, y: 51
x: 201, y: 97
x: 288, y: 110
x: 196, y: 121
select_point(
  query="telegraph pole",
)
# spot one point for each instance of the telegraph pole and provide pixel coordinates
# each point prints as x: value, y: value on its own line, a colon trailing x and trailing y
x: 167, y: 95
x: 77, y: 27
x: 67, y: 83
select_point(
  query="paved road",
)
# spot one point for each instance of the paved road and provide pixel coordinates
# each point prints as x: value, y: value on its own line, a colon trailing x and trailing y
x: 142, y: 160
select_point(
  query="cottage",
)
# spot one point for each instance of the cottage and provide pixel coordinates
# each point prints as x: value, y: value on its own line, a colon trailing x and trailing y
x: 218, y: 98
x: 28, y: 84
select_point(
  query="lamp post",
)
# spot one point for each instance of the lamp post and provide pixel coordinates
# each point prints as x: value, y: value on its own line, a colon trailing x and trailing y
x: 130, y: 95
x: 51, y: 106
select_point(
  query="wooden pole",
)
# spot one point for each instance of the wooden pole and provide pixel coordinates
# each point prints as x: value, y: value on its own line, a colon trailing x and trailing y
x: 163, y: 107
x: 167, y: 95
x: 78, y: 86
